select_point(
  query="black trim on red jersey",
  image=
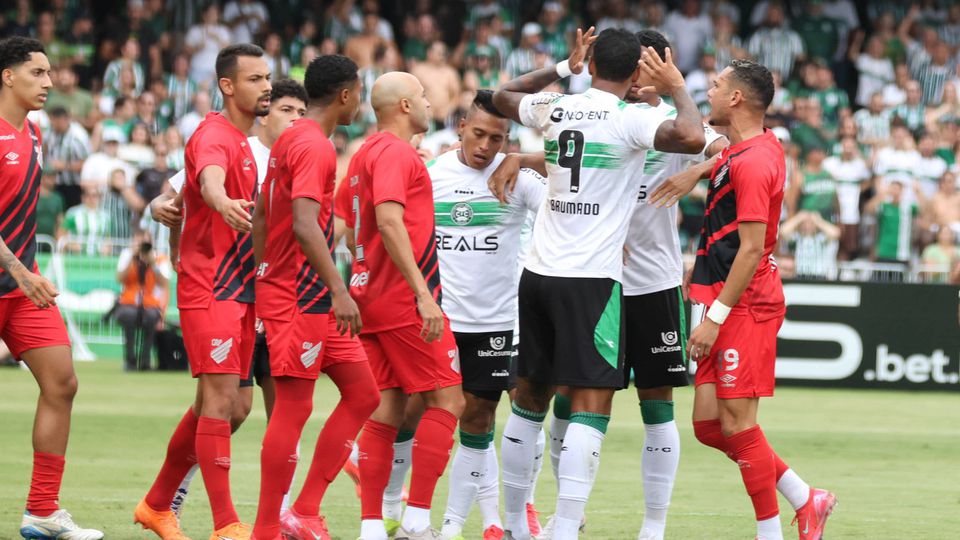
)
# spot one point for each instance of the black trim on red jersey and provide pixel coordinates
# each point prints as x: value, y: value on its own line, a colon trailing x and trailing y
x: 18, y: 225
x: 234, y: 279
x: 313, y: 296
x: 429, y: 265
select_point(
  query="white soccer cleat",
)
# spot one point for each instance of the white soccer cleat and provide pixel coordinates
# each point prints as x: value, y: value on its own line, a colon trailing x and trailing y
x: 57, y: 526
x: 646, y: 534
x: 427, y: 534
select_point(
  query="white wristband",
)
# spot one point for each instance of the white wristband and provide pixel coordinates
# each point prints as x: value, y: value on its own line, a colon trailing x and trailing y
x: 563, y: 69
x: 718, y: 312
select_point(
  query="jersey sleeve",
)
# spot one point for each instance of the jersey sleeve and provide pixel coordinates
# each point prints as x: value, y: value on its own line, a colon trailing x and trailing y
x: 176, y: 181
x: 392, y: 173
x: 640, y: 124
x: 311, y: 164
x: 342, y: 200
x: 753, y: 181
x: 531, y: 189
x: 535, y: 109
x: 214, y: 152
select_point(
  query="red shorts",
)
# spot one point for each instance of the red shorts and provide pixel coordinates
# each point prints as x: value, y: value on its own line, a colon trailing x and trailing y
x: 24, y: 326
x: 308, y: 344
x: 743, y: 360
x: 400, y: 358
x: 220, y: 337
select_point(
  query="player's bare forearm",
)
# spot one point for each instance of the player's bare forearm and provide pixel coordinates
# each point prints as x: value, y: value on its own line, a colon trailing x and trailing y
x: 535, y: 160
x: 9, y: 261
x: 704, y: 169
x: 213, y: 187
x: 684, y: 134
x: 752, y: 234
x: 507, y: 98
x: 313, y: 243
x: 396, y: 240
x: 259, y: 231
x: 174, y: 243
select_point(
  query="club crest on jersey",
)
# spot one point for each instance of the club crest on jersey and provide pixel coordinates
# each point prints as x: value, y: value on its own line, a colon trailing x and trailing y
x: 461, y: 214
x: 273, y: 163
x: 12, y: 158
x: 497, y: 342
x: 246, y: 164
x: 669, y: 338
x: 721, y: 174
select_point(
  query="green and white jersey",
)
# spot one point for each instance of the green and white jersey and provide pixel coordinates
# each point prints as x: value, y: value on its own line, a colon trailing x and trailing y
x: 654, y: 262
x: 594, y: 142
x: 478, y: 241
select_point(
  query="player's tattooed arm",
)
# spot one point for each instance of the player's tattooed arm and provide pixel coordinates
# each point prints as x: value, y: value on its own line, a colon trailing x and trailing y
x: 35, y: 287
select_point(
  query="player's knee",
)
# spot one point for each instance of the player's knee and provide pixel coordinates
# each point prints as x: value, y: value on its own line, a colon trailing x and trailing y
x: 240, y: 413
x: 363, y: 403
x: 67, y: 388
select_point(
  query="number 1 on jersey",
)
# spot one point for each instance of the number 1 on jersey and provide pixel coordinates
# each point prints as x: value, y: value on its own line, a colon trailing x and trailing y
x: 571, y: 154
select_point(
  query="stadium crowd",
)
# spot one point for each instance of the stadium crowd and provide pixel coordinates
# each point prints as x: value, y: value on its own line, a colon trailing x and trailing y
x: 867, y: 103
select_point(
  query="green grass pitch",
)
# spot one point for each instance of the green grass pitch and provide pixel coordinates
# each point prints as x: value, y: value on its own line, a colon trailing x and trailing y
x: 891, y: 457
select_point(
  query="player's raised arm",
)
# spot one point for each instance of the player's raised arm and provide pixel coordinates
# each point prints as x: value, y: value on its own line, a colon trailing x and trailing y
x: 507, y: 98
x: 683, y: 134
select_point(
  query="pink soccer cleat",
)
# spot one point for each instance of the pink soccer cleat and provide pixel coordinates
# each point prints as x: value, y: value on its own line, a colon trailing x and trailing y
x: 812, y: 517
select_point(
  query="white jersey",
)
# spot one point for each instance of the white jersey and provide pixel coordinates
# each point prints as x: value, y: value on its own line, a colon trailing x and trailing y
x: 654, y: 262
x: 261, y: 155
x: 478, y: 242
x: 593, y: 141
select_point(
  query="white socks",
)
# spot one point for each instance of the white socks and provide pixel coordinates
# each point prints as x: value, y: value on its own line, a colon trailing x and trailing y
x: 558, y: 428
x: 372, y: 529
x: 466, y: 474
x: 537, y: 465
x: 794, y: 489
x: 661, y: 457
x: 488, y: 497
x: 415, y: 519
x: 579, y: 462
x: 393, y: 494
x: 518, y: 450
x: 769, y: 529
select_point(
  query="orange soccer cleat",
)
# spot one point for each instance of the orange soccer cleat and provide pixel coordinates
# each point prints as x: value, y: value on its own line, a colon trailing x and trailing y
x: 164, y: 523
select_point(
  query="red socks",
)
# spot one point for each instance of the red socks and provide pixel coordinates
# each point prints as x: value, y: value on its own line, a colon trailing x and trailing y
x: 756, y: 460
x: 359, y: 397
x: 376, y: 460
x: 278, y: 455
x: 45, y: 484
x: 213, y: 455
x: 431, y: 452
x: 181, y: 456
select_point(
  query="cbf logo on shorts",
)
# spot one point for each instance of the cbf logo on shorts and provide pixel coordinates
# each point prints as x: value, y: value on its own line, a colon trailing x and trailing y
x: 221, y: 349
x: 497, y: 342
x: 309, y: 357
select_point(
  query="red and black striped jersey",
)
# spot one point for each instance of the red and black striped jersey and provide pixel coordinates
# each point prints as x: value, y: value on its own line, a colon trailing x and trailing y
x: 746, y: 186
x: 303, y: 164
x: 388, y: 169
x: 216, y: 262
x: 21, y: 165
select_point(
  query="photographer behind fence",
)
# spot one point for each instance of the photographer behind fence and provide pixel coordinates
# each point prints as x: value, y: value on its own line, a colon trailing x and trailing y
x: 144, y: 277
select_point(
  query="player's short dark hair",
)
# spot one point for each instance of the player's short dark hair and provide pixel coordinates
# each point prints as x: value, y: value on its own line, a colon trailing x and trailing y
x: 328, y: 74
x: 652, y: 38
x: 615, y: 54
x: 483, y: 101
x: 288, y: 88
x: 757, y: 80
x: 227, y: 58
x: 16, y: 50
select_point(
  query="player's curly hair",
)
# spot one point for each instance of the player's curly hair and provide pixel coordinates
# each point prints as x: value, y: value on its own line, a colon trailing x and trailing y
x: 483, y: 101
x: 756, y: 78
x: 16, y: 50
x: 615, y: 54
x: 652, y: 38
x: 327, y: 75
x: 288, y: 88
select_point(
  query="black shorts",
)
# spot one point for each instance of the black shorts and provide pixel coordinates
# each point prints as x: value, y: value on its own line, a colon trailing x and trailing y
x: 485, y: 360
x: 656, y: 339
x: 260, y: 367
x: 571, y: 331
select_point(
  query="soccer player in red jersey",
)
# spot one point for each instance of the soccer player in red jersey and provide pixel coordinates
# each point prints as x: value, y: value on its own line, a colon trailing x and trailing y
x: 215, y: 293
x: 396, y: 282
x: 310, y: 319
x: 30, y: 323
x: 736, y: 276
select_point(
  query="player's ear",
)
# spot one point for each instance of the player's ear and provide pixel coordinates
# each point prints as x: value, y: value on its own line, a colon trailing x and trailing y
x: 405, y: 105
x: 8, y: 77
x: 592, y: 70
x: 344, y: 96
x: 226, y: 86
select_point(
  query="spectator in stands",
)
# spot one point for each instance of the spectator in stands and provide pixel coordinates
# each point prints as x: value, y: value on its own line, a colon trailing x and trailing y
x: 273, y: 53
x: 945, y: 204
x: 50, y: 208
x: 138, y: 152
x: 129, y: 61
x: 201, y: 107
x: 894, y: 222
x: 813, y: 241
x: 202, y: 43
x: 808, y: 131
x: 936, y: 73
x: 773, y: 45
x: 164, y: 105
x: 147, y: 114
x: 812, y: 187
x: 245, y: 18
x: 180, y: 87
x: 384, y: 29
x: 307, y: 55
x: 151, y: 180
x: 440, y: 81
x: 342, y: 19
x: 87, y: 224
x: 873, y: 123
x: 80, y: 41
x: 360, y: 47
x: 834, y: 103
x: 67, y: 146
x: 949, y: 31
x: 617, y: 15
x: 98, y: 165
x: 947, y: 111
x: 853, y: 177
x: 557, y: 30
x: 940, y: 257
x: 895, y: 93
x: 420, y: 35
x: 523, y: 59
x: 690, y: 29
x: 899, y: 157
x: 77, y: 101
x: 819, y: 32
x: 122, y: 203
x: 931, y: 167
x: 46, y: 34
x: 726, y: 43
x: 144, y: 278
x: 700, y: 80
x: 875, y: 69
x: 912, y: 111
x: 487, y: 9
x: 174, y: 144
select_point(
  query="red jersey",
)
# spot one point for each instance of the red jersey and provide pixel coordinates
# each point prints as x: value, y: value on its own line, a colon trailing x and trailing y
x: 216, y: 262
x: 387, y: 168
x: 303, y: 164
x: 343, y: 200
x: 21, y: 165
x: 746, y: 186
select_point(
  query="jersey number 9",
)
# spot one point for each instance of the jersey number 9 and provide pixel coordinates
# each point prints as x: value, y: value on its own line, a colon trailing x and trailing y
x: 571, y: 155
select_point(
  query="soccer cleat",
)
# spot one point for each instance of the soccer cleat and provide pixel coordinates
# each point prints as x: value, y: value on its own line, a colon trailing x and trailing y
x: 57, y: 526
x: 812, y: 517
x: 297, y: 527
x: 646, y: 534
x: 547, y: 532
x: 351, y: 469
x: 493, y: 533
x: 233, y: 531
x: 165, y: 524
x: 277, y: 537
x: 427, y: 534
x: 391, y: 525
x: 533, y: 520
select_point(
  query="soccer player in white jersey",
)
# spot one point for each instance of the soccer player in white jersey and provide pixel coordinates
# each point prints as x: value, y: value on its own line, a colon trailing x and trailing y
x: 570, y: 291
x: 478, y: 241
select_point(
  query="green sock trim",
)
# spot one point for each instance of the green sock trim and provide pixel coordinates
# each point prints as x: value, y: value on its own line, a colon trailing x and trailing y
x: 561, y: 407
x: 491, y: 435
x: 595, y: 420
x: 656, y: 411
x: 403, y: 436
x: 477, y: 442
x: 528, y: 415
